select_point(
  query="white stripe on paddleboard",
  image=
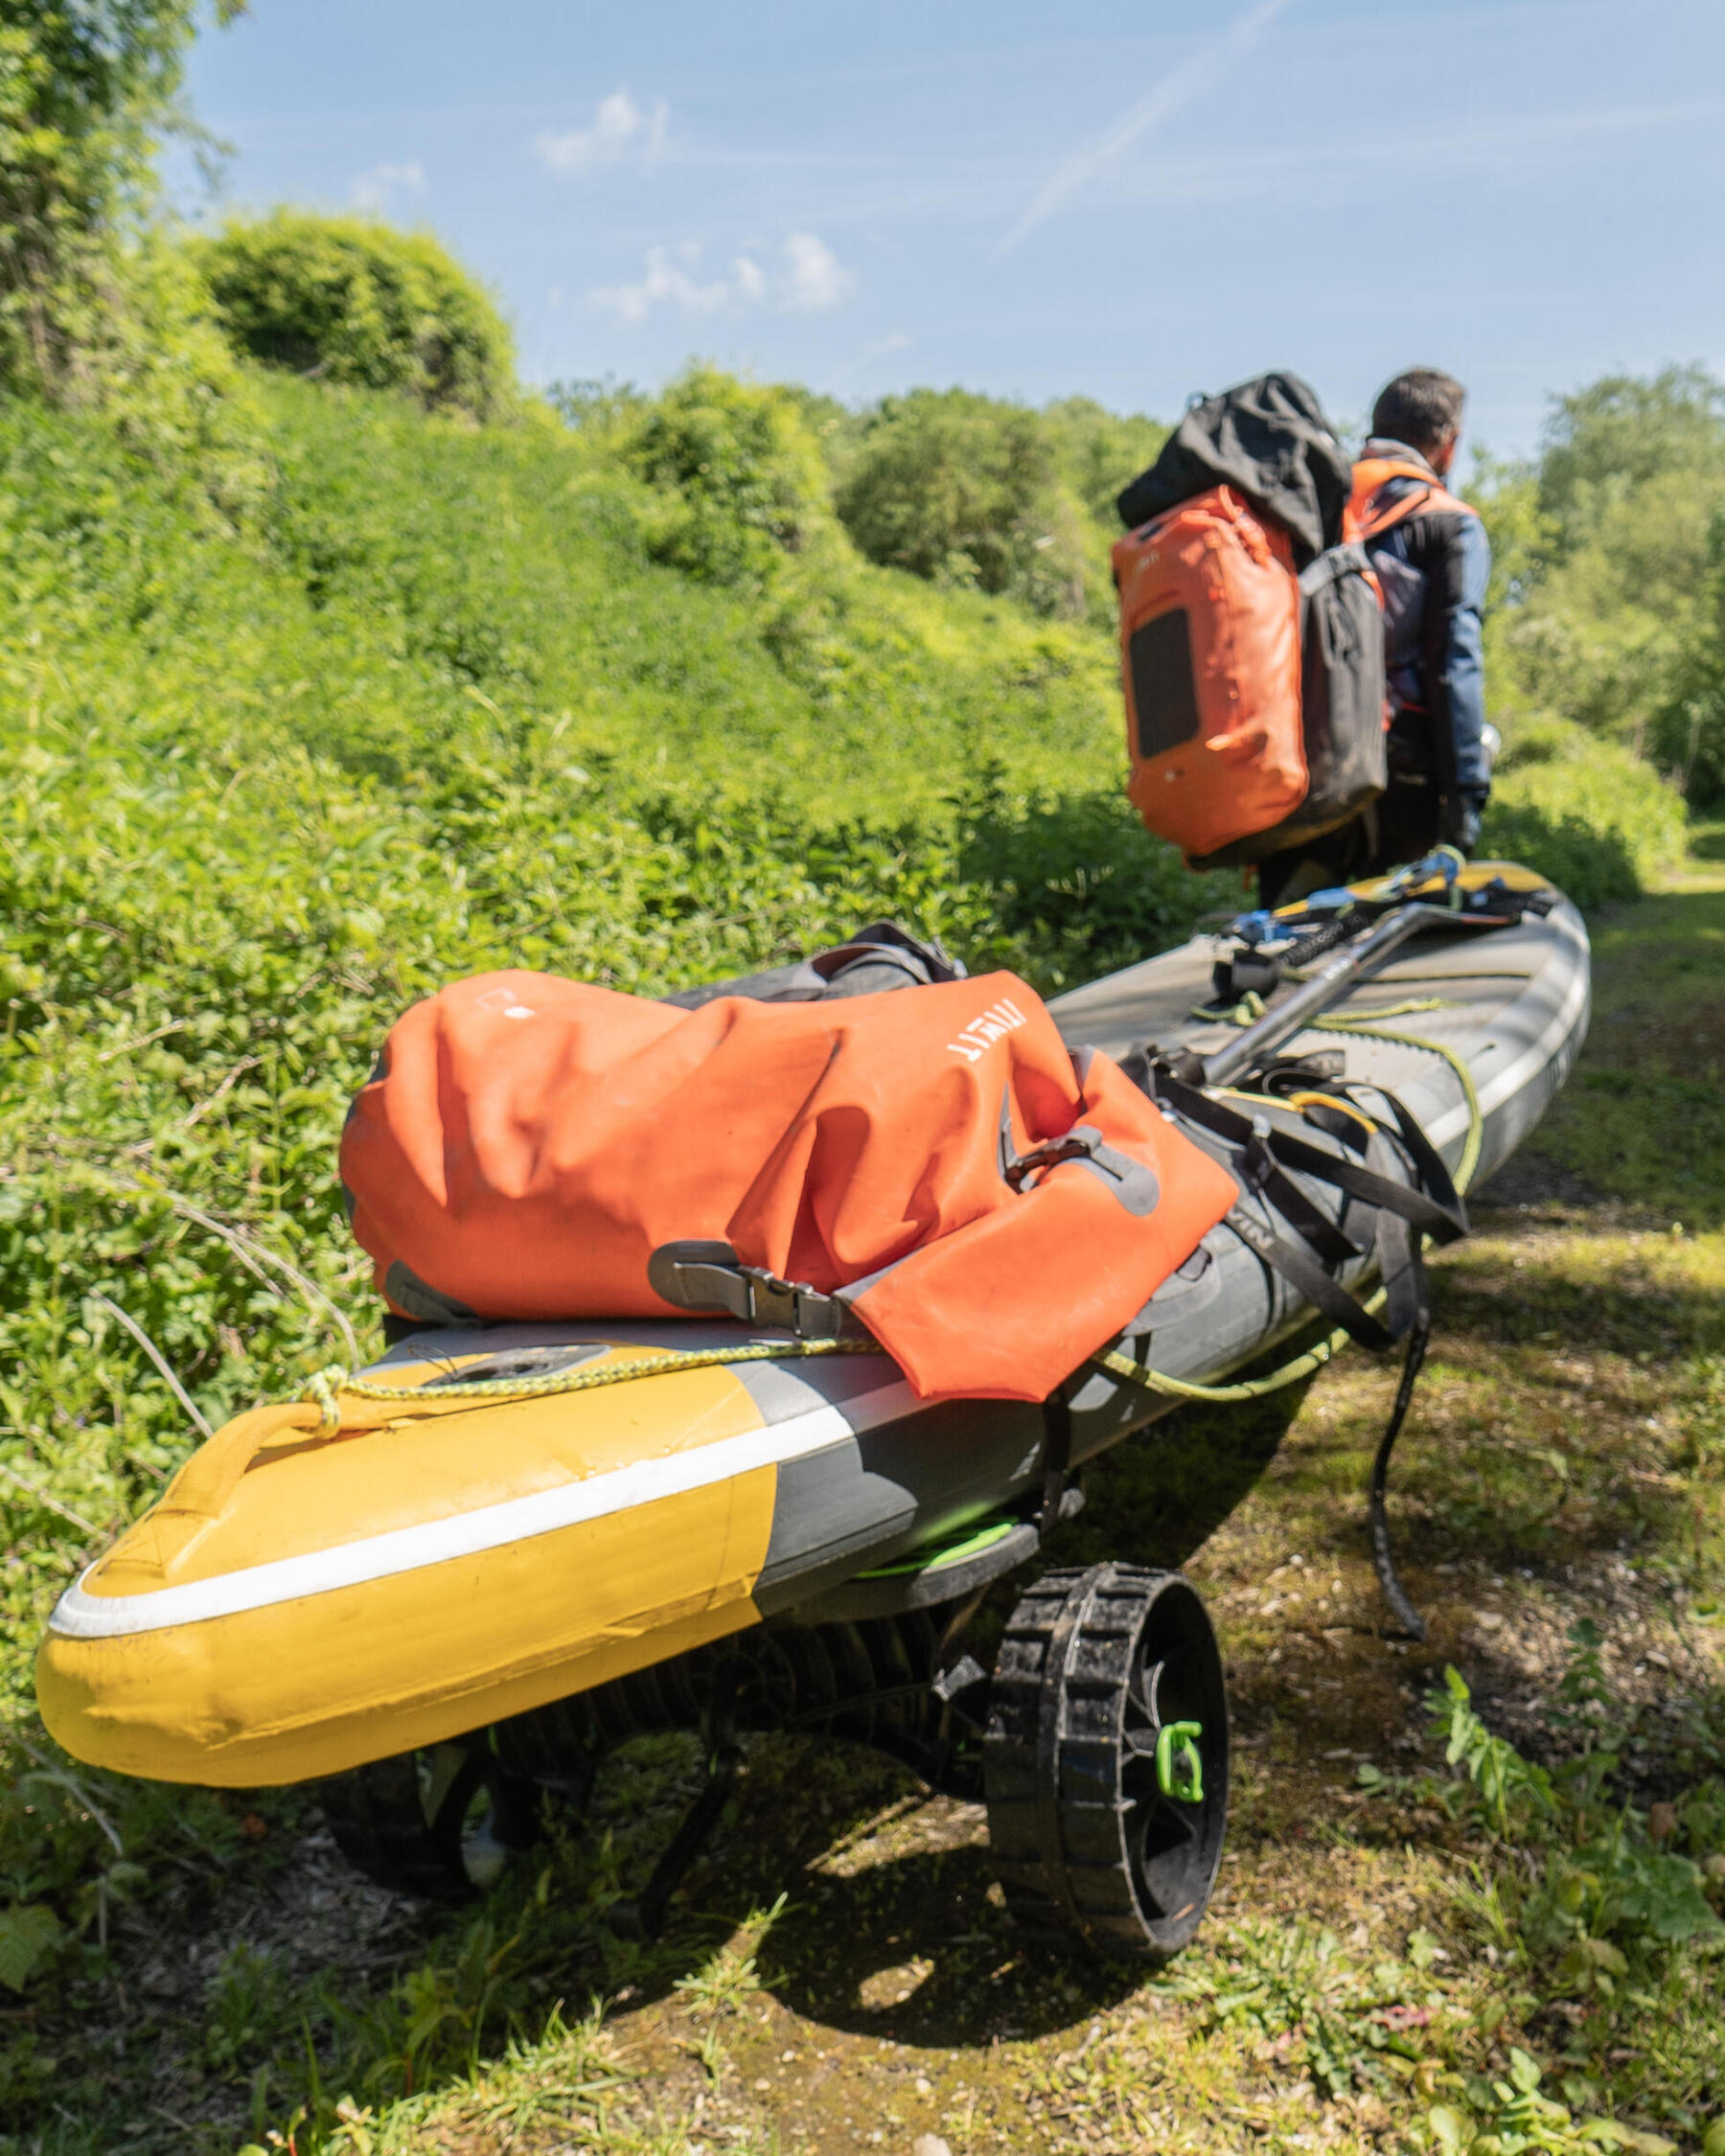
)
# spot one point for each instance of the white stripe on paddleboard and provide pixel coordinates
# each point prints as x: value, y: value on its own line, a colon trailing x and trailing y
x: 81, y: 1616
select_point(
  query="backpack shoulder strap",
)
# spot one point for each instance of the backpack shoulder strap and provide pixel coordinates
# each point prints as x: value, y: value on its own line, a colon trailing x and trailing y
x: 1373, y: 518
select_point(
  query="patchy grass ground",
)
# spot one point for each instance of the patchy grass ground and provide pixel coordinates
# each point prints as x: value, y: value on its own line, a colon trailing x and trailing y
x: 1389, y: 1965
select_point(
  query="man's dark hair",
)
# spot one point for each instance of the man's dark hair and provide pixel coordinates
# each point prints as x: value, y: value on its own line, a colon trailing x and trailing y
x: 1420, y: 407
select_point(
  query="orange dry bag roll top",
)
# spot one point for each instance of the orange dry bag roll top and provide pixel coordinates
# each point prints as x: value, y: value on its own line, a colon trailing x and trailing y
x: 1209, y: 636
x: 990, y: 1206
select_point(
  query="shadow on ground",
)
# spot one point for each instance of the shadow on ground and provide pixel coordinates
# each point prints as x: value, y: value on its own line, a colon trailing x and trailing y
x: 1160, y: 1496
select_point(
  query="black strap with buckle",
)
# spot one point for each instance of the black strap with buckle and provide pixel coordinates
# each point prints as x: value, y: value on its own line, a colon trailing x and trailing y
x: 709, y: 1278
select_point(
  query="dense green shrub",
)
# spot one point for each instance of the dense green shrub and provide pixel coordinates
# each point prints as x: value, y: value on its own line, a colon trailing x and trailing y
x: 350, y: 300
x: 98, y: 308
x: 1097, y: 451
x: 979, y: 492
x: 1589, y: 814
x: 737, y: 475
x: 967, y: 491
x: 1687, y: 734
x: 956, y: 487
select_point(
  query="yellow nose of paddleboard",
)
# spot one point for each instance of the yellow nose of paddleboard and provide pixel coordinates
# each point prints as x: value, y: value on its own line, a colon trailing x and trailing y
x: 304, y: 1598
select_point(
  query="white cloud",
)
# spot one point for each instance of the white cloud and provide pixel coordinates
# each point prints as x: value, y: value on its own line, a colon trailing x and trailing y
x: 620, y: 129
x: 806, y: 278
x: 378, y: 192
x: 669, y: 276
x: 813, y: 277
x: 1171, y: 96
x: 897, y: 341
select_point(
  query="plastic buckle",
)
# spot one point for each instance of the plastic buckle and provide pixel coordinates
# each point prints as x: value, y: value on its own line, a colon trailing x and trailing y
x: 792, y: 1306
x: 1078, y: 1145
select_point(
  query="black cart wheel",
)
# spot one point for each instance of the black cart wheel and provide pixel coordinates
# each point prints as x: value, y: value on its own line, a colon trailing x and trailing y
x: 1105, y: 1765
x: 440, y: 1823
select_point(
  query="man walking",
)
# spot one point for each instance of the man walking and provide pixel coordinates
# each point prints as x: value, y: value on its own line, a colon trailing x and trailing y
x: 1433, y: 564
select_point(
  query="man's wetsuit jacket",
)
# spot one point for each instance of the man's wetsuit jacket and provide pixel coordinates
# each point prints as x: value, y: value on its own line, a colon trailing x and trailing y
x: 1433, y: 566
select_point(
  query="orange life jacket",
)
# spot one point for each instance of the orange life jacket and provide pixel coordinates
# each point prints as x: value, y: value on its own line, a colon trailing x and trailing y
x: 990, y: 1206
x: 1371, y: 474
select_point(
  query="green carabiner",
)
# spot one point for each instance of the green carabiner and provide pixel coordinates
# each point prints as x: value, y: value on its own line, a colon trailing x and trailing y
x: 1188, y: 1788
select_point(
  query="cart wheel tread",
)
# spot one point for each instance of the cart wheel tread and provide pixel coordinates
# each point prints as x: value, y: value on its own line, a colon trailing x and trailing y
x: 1092, y: 1851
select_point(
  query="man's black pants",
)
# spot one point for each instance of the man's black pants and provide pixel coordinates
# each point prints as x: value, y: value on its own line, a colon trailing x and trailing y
x: 1403, y: 824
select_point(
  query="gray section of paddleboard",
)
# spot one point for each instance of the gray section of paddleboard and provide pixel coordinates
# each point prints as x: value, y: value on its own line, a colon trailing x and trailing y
x: 1512, y: 1004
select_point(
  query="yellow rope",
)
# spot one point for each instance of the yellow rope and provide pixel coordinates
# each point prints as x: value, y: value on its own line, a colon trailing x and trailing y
x: 1408, y: 1008
x: 1248, y: 1388
x: 323, y: 1386
x: 1470, y: 1093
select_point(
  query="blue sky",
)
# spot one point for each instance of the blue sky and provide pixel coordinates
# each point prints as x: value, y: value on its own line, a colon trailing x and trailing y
x: 1131, y: 205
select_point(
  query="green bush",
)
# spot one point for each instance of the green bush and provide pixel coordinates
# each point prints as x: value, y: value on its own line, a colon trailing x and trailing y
x: 737, y: 475
x: 974, y: 492
x: 86, y: 94
x: 1689, y: 736
x: 966, y: 490
x: 99, y: 309
x: 1606, y: 597
x: 350, y: 300
x: 1688, y: 730
x: 1589, y: 814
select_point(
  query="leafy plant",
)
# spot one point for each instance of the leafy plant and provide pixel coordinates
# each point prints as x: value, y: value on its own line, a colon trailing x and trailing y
x: 28, y: 1933
x: 967, y: 491
x: 350, y: 300
x: 1298, y: 1992
x: 1514, y: 2117
x: 737, y: 479
x: 1601, y: 1889
x: 1513, y: 1791
x: 100, y: 308
x: 730, y: 1977
x: 1595, y: 817
x: 86, y: 94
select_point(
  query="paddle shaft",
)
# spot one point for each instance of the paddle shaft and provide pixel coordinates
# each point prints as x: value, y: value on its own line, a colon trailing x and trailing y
x: 1352, y: 964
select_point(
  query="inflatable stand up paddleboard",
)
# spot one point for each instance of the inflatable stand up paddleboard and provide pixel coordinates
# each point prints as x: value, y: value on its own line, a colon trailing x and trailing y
x: 443, y: 1586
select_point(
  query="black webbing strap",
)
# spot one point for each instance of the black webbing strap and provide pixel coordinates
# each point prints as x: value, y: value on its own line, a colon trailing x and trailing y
x: 1262, y: 1171
x: 1428, y: 1162
x: 1376, y: 1519
x: 1441, y: 1217
x: 1057, y: 1457
x: 1259, y: 1170
x: 1300, y: 1268
x: 1404, y: 1217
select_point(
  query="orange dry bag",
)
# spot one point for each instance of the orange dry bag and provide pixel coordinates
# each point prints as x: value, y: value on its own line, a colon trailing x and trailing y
x: 990, y: 1206
x: 1251, y: 644
x: 1210, y: 644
